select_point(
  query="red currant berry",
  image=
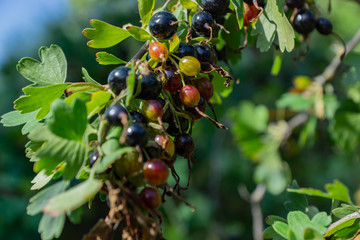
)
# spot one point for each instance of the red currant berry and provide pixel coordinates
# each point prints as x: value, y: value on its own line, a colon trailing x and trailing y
x: 250, y: 13
x: 158, y: 51
x: 151, y: 198
x: 166, y: 144
x: 189, y: 96
x: 117, y: 79
x: 153, y: 110
x: 115, y: 114
x: 172, y: 81
x: 161, y: 25
x: 184, y: 145
x: 136, y: 135
x: 156, y: 172
x: 205, y: 88
x: 190, y: 66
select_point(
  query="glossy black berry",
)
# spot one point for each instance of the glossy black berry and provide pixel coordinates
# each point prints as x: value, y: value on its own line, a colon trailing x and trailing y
x: 137, y: 117
x: 295, y: 3
x: 304, y: 22
x: 117, y: 79
x: 185, y: 50
x: 216, y: 7
x: 324, y: 26
x: 114, y: 114
x: 205, y: 54
x: 184, y: 145
x: 161, y: 25
x: 261, y: 3
x: 136, y: 135
x: 201, y: 23
x: 173, y: 128
x: 93, y: 157
x: 150, y: 87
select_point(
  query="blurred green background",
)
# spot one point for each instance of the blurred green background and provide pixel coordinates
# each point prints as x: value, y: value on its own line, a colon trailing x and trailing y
x: 220, y: 212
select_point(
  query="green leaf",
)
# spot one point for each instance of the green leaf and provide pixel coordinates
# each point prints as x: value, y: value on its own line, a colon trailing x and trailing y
x: 277, y: 63
x: 269, y: 233
x: 51, y: 70
x: 265, y: 30
x: 38, y: 202
x: 282, y: 229
x: 51, y: 227
x: 15, y: 118
x: 297, y: 202
x: 189, y: 4
x: 307, y: 135
x: 104, y: 35
x: 87, y: 77
x: 146, y: 8
x: 270, y: 220
x: 346, y: 222
x: 105, y: 58
x: 295, y: 102
x: 219, y: 87
x: 139, y: 33
x: 174, y: 43
x: 83, y: 87
x: 238, y: 7
x: 110, y: 159
x: 131, y: 83
x: 79, y: 195
x: 98, y: 102
x: 39, y: 98
x: 68, y: 122
x: 298, y: 222
x: 337, y: 191
x: 344, y: 210
x: 41, y: 179
x: 311, y: 234
x: 181, y: 13
x: 320, y: 222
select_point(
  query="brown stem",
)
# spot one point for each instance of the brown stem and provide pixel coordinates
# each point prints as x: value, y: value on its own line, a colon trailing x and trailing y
x: 141, y: 51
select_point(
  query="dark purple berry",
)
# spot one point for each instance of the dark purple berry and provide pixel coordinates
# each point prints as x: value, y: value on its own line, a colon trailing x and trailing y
x: 117, y: 79
x: 184, y: 145
x: 185, y: 50
x: 205, y: 54
x: 136, y: 135
x: 173, y: 128
x: 150, y: 87
x: 161, y: 25
x: 201, y: 23
x: 137, y: 117
x: 93, y: 157
x: 114, y: 114
x: 324, y: 26
x: 295, y: 3
x: 216, y: 7
x: 261, y: 3
x: 202, y: 107
x: 304, y: 22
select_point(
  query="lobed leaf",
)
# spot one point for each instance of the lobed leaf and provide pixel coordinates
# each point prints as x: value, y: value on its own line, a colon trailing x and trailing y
x: 87, y: 77
x: 97, y: 103
x: 238, y: 7
x: 104, y: 35
x: 51, y: 227
x: 146, y: 8
x: 139, y: 33
x: 105, y: 58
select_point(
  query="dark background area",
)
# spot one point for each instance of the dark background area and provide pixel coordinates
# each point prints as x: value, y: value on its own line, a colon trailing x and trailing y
x: 220, y: 212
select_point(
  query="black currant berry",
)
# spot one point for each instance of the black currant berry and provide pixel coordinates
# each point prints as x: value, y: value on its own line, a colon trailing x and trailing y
x: 117, y: 79
x: 295, y: 3
x: 136, y: 135
x: 261, y: 3
x: 150, y: 87
x: 216, y: 7
x: 93, y: 157
x: 173, y: 128
x: 114, y: 114
x: 205, y: 54
x: 185, y: 50
x: 304, y: 22
x: 201, y: 23
x: 324, y: 26
x: 161, y: 25
x: 202, y: 107
x: 184, y: 145
x: 154, y: 151
x: 137, y: 117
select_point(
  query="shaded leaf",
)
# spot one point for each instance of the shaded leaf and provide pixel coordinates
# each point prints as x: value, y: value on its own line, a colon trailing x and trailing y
x: 139, y: 33
x: 105, y: 58
x: 51, y: 227
x: 282, y: 229
x: 110, y: 159
x: 238, y: 7
x: 15, y: 118
x: 87, y: 77
x: 97, y: 103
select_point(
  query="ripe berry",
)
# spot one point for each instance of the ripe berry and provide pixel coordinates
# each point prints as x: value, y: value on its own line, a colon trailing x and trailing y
x: 324, y: 26
x: 173, y: 128
x: 137, y: 117
x: 205, y: 54
x: 150, y: 87
x: 261, y: 3
x: 295, y: 3
x: 201, y: 23
x: 189, y: 96
x: 114, y: 114
x: 158, y: 51
x: 117, y: 79
x: 151, y: 198
x: 205, y: 88
x: 166, y: 144
x: 184, y: 145
x: 161, y: 26
x: 304, y: 22
x: 93, y: 157
x: 190, y: 66
x: 153, y: 110
x: 185, y: 50
x: 216, y: 7
x: 202, y: 107
x: 172, y: 81
x: 250, y: 13
x: 156, y: 172
x: 136, y: 135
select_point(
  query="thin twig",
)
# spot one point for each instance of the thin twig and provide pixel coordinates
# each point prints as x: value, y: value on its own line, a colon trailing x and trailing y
x: 141, y: 51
